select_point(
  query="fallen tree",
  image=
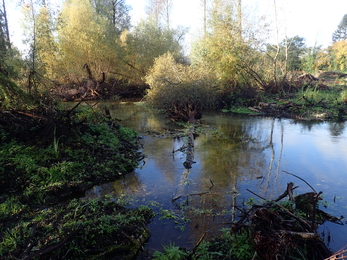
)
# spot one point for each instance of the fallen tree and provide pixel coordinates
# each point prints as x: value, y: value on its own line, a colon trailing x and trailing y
x: 186, y: 111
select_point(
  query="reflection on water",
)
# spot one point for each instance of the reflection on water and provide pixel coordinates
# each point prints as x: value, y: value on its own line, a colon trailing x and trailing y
x: 232, y: 154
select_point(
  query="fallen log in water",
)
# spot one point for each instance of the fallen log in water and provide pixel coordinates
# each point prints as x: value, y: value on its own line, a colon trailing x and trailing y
x: 189, y: 112
x: 190, y: 149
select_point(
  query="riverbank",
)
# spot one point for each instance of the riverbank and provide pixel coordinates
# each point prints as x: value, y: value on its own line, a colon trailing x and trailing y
x: 40, y: 216
x: 48, y: 161
x: 306, y: 98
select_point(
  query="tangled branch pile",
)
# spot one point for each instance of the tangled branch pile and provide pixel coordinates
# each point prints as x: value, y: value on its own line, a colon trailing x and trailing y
x: 287, y: 231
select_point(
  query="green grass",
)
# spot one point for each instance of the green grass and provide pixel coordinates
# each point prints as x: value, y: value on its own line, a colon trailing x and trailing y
x: 311, y: 102
x: 38, y: 179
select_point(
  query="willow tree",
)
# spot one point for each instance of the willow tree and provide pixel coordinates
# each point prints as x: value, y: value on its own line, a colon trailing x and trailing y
x: 234, y: 59
x: 144, y: 43
x: 339, y: 54
x: 84, y: 38
x: 46, y: 44
x: 171, y: 81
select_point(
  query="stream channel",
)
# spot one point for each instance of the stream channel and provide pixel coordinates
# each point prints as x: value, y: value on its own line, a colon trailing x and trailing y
x: 233, y: 153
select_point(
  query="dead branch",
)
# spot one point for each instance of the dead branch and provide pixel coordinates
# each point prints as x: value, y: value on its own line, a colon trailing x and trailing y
x: 301, y: 235
x: 256, y: 194
x: 76, y: 106
x: 301, y: 179
x: 302, y: 222
x: 212, y: 184
x: 196, y: 246
x: 288, y: 191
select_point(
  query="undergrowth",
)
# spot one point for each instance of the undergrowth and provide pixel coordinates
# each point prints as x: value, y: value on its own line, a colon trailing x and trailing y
x: 54, y: 161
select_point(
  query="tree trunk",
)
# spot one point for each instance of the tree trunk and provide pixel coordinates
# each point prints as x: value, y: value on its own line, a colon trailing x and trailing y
x: 8, y: 41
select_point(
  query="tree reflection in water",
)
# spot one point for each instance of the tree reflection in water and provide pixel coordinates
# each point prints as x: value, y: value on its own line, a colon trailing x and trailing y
x: 232, y: 154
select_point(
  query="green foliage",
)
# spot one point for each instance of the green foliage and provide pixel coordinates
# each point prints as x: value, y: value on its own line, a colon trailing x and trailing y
x: 170, y: 82
x: 171, y: 252
x: 101, y: 150
x: 228, y: 246
x: 283, y: 57
x: 344, y: 96
x: 4, y: 37
x: 324, y: 60
x: 179, y: 220
x: 236, y: 59
x: 296, y: 49
x: 146, y: 42
x: 81, y: 32
x: 84, y: 39
x: 11, y: 95
x: 241, y: 247
x: 308, y: 60
x: 238, y: 110
x: 339, y: 55
x: 116, y: 13
x: 10, y: 206
x: 46, y: 46
x: 250, y: 202
x: 91, y: 223
x: 341, y: 32
x: 95, y: 150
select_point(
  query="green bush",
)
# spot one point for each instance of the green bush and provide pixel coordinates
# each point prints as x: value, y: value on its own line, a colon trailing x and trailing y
x: 344, y: 96
x: 170, y: 82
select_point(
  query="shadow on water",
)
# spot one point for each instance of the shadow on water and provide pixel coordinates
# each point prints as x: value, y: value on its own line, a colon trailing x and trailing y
x: 232, y: 154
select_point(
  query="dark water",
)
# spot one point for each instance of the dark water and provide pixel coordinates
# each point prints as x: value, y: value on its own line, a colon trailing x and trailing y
x: 232, y: 154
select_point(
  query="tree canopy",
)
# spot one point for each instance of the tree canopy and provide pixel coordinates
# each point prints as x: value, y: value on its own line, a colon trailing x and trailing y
x: 340, y: 33
x: 84, y: 40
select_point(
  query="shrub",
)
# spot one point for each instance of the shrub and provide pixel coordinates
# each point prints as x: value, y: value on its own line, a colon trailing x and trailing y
x: 344, y: 96
x: 170, y: 82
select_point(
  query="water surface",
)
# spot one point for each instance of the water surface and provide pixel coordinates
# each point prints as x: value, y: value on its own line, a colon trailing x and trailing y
x: 232, y: 154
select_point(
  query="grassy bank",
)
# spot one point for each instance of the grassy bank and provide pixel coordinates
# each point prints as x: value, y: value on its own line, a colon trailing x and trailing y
x: 305, y: 101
